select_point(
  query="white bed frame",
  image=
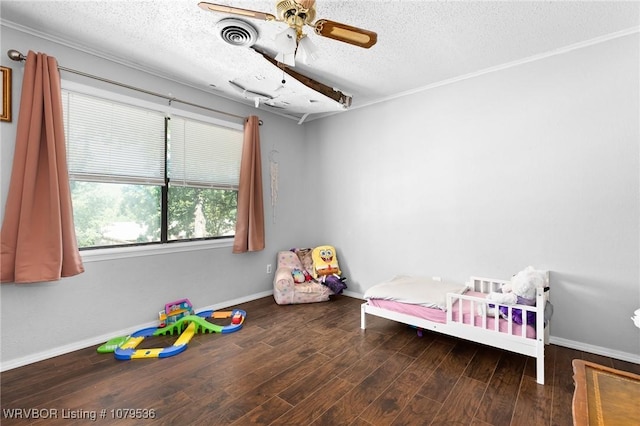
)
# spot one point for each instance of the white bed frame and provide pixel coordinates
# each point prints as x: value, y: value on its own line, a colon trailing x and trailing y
x: 483, y: 334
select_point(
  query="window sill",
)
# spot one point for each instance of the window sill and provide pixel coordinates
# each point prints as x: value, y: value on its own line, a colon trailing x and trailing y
x: 102, y: 254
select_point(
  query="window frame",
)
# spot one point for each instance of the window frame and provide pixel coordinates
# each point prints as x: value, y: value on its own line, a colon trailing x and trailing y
x: 156, y: 248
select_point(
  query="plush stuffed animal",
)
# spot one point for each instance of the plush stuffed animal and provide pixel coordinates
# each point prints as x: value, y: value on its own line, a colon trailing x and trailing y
x: 298, y: 275
x: 335, y: 283
x: 522, y: 291
x: 325, y: 261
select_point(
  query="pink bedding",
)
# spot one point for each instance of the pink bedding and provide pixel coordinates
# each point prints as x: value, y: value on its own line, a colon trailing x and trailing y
x: 440, y: 316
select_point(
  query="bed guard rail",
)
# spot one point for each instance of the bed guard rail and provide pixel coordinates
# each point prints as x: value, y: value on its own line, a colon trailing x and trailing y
x: 474, y: 311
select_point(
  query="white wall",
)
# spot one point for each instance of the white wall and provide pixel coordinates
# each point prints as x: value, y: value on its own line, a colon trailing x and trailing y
x: 537, y: 164
x: 38, y: 320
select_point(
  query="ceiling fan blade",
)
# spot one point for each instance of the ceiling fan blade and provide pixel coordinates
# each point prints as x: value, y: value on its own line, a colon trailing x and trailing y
x: 346, y: 33
x: 329, y: 92
x: 307, y: 4
x: 236, y: 11
x: 249, y: 93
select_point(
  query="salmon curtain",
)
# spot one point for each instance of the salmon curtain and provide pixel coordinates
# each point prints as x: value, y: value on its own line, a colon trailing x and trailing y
x: 250, y: 218
x: 38, y: 240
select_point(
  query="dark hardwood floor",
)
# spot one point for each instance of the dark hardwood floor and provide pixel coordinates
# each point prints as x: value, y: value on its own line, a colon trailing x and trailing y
x: 300, y: 365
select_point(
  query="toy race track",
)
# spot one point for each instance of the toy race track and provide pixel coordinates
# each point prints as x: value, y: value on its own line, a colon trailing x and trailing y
x: 187, y: 327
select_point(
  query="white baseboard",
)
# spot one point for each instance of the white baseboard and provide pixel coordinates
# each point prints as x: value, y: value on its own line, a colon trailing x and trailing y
x: 598, y: 350
x: 237, y: 301
x: 98, y: 340
x: 352, y: 294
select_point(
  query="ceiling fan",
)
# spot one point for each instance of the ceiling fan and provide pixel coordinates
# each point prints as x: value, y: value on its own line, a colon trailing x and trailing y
x: 293, y: 44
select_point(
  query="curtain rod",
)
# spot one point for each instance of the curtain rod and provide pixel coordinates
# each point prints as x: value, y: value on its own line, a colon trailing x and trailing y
x: 19, y: 57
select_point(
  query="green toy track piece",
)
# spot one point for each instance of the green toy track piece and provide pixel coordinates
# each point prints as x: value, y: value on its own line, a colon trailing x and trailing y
x: 202, y: 326
x: 112, y: 344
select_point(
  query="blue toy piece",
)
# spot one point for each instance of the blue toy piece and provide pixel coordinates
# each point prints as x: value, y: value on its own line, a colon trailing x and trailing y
x: 188, y: 326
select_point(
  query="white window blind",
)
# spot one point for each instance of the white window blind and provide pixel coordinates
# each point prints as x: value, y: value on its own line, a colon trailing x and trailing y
x: 108, y: 141
x: 203, y: 155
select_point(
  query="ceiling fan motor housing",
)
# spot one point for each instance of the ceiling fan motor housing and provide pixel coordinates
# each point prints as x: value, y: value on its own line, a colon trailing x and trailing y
x: 290, y: 10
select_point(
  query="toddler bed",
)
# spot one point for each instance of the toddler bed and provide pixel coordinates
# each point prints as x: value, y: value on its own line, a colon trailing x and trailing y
x: 464, y: 311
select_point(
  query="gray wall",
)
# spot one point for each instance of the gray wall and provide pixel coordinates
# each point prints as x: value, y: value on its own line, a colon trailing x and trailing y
x: 116, y: 296
x: 537, y: 164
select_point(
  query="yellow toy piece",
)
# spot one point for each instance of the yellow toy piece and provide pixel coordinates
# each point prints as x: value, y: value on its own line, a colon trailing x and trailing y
x: 325, y: 261
x: 187, y: 327
x: 132, y: 342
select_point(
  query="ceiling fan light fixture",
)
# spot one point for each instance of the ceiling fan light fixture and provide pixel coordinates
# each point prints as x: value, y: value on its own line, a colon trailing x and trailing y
x: 286, y: 58
x: 286, y: 41
x: 307, y: 51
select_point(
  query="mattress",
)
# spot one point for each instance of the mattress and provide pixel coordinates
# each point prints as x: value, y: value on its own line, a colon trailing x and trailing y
x: 421, y: 291
x: 440, y: 316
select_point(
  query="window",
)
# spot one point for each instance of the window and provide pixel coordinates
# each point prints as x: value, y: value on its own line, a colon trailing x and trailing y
x: 139, y: 175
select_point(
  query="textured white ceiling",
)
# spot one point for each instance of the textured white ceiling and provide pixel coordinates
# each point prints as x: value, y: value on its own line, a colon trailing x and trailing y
x: 420, y: 43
